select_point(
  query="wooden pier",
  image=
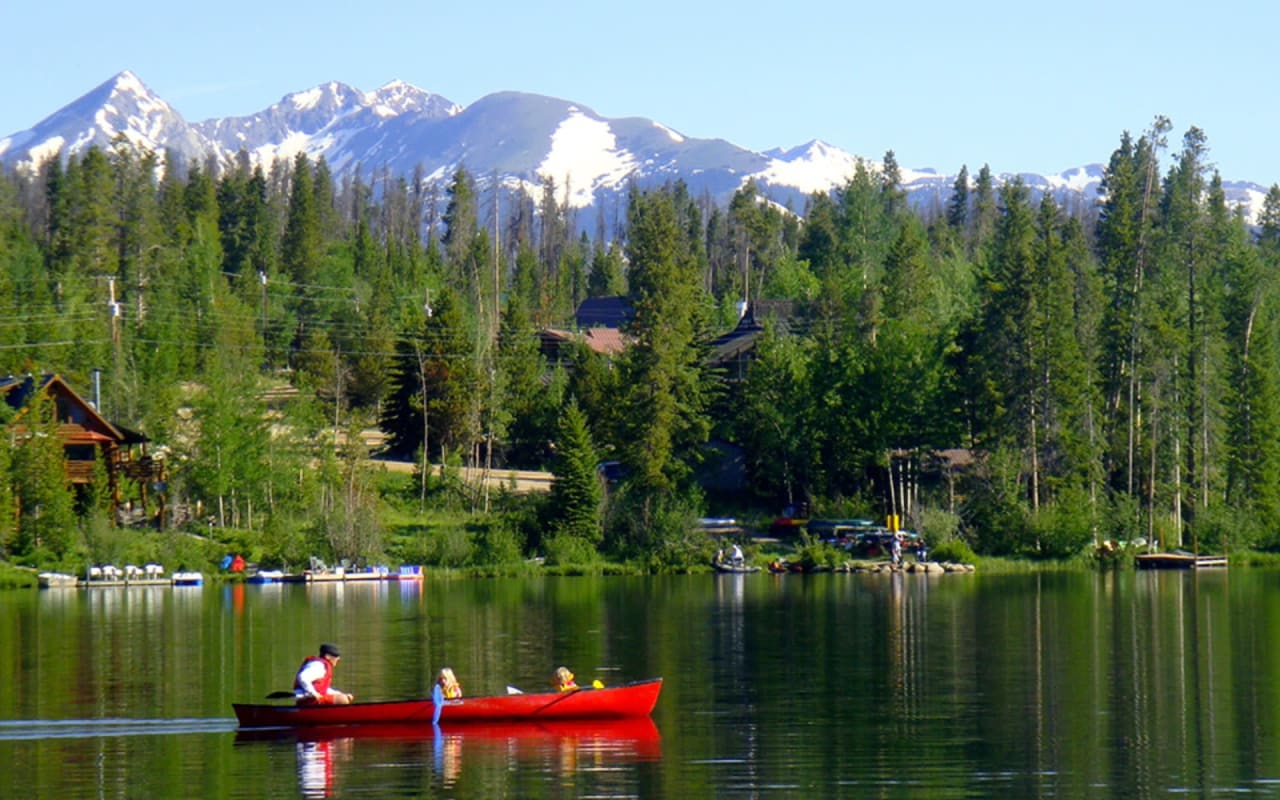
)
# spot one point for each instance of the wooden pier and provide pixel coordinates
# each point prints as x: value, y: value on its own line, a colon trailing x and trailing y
x: 1179, y: 560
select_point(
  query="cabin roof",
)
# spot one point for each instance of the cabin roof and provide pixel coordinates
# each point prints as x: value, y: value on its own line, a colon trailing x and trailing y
x: 18, y: 391
x: 606, y: 341
x: 604, y: 312
x: 750, y: 327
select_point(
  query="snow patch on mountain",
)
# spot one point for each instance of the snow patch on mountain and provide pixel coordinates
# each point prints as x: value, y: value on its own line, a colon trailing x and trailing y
x: 584, y: 156
x: 675, y: 137
x: 45, y: 150
x: 812, y: 167
x: 305, y: 101
x: 1080, y: 179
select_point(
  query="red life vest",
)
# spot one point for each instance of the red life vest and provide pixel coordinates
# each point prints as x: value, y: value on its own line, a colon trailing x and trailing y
x: 321, y: 684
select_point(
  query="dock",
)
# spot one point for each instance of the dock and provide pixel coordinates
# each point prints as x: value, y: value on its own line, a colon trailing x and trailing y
x: 1179, y: 560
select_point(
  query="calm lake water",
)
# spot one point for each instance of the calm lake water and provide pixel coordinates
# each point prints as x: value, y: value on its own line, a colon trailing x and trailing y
x: 1133, y: 685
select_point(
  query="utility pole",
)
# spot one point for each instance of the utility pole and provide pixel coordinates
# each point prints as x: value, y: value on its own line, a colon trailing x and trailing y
x: 262, y: 281
x: 113, y: 310
x: 493, y: 343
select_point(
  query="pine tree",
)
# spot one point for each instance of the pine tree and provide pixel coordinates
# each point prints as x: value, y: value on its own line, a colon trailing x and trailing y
x: 1252, y: 318
x: 895, y: 198
x: 958, y: 205
x: 606, y: 277
x: 526, y: 404
x: 984, y: 211
x: 300, y: 246
x: 774, y: 419
x: 576, y: 495
x: 662, y: 369
x: 460, y: 220
x: 433, y: 380
x: 46, y: 521
x: 1185, y: 251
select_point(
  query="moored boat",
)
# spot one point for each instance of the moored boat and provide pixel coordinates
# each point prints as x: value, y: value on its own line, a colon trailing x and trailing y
x: 616, y: 702
x: 57, y: 580
x: 728, y: 567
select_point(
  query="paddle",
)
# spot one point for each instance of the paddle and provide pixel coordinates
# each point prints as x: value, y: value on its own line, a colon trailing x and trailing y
x: 437, y: 697
x: 562, y: 696
x: 281, y: 695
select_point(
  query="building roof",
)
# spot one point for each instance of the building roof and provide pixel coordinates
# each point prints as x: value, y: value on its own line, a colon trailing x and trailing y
x: 604, y: 312
x: 17, y: 392
x: 743, y: 337
x: 606, y: 341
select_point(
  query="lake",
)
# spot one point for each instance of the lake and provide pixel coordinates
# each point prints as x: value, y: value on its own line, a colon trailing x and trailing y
x: 1128, y: 685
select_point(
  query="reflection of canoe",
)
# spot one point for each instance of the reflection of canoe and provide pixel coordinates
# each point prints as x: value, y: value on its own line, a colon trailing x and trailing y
x: 722, y: 566
x: 638, y: 732
x: 616, y: 702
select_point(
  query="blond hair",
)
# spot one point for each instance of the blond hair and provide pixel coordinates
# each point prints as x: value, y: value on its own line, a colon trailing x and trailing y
x: 449, y: 683
x: 562, y: 678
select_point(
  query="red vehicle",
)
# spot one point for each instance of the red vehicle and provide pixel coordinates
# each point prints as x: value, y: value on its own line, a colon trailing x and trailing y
x: 616, y: 702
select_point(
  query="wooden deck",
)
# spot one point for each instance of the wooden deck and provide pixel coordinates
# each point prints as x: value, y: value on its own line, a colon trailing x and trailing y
x: 1179, y: 561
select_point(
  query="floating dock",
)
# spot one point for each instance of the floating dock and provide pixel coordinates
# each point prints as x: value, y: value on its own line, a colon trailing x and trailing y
x: 1179, y: 561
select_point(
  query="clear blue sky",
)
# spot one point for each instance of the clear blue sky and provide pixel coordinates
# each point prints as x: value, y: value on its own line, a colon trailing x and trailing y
x: 1018, y: 84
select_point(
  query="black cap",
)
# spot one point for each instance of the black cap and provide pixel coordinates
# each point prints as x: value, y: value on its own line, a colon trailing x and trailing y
x: 327, y: 649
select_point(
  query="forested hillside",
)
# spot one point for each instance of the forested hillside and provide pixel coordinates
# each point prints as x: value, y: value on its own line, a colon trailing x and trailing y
x: 1106, y: 372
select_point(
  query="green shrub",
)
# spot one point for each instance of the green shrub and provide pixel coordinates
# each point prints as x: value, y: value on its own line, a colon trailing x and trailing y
x: 1220, y: 529
x: 1064, y: 528
x: 955, y: 551
x: 12, y: 577
x: 496, y: 541
x: 449, y: 547
x: 938, y: 526
x: 562, y: 549
x: 813, y: 552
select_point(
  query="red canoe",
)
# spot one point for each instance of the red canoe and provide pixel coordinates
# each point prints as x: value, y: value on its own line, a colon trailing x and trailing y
x: 615, y: 702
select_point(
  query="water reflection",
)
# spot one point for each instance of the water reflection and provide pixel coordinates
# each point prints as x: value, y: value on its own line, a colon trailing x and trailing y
x: 316, y: 760
x: 1133, y: 685
x: 327, y: 756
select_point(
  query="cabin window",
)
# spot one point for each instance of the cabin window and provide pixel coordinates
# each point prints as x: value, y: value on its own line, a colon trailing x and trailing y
x: 80, y: 452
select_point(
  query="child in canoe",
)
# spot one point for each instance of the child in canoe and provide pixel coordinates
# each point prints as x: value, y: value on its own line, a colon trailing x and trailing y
x: 450, y: 689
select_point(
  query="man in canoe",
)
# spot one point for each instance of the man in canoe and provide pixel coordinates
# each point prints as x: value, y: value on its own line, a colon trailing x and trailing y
x: 311, y: 684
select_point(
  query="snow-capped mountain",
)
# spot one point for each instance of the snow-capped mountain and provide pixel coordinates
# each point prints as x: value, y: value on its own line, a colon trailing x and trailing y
x: 518, y: 138
x: 121, y: 106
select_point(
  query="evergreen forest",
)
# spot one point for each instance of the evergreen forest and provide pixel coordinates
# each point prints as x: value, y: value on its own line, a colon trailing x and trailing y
x: 1025, y: 375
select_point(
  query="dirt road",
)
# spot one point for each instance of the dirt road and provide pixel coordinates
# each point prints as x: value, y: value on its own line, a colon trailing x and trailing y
x: 519, y: 480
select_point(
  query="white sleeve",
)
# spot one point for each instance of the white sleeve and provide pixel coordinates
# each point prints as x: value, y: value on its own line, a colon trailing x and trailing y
x: 313, y: 671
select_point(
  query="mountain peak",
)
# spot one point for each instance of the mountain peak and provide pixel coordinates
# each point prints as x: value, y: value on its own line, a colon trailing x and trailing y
x: 399, y: 97
x: 327, y: 97
x: 513, y: 138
